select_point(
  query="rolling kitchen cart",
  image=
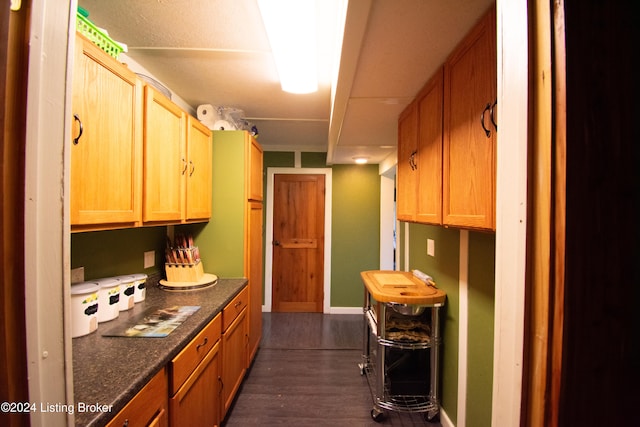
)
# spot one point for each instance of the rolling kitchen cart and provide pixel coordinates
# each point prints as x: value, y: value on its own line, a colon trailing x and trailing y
x: 401, y: 342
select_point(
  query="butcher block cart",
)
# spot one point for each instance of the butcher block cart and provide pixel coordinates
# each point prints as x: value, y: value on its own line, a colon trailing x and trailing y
x: 402, y: 342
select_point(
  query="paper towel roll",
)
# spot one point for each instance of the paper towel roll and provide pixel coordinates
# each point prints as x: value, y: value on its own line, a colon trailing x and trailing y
x: 207, y: 113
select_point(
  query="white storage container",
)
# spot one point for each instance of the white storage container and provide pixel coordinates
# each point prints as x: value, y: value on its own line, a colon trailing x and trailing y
x: 139, y: 281
x: 108, y: 299
x: 84, y: 308
x: 127, y: 288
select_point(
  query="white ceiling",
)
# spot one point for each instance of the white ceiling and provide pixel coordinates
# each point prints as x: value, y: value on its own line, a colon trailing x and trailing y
x: 216, y: 52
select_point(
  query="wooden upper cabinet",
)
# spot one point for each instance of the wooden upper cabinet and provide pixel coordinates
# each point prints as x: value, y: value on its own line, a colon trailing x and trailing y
x: 199, y: 152
x: 419, y: 196
x: 106, y: 146
x: 407, y: 153
x: 177, y: 163
x: 165, y: 158
x: 429, y: 158
x: 469, y: 152
x: 255, y: 170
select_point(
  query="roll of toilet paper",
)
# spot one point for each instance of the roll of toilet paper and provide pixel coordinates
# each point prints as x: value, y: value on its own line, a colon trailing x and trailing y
x: 207, y: 113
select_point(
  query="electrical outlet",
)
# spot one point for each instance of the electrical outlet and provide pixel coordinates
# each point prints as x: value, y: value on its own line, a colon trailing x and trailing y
x: 431, y: 247
x: 77, y: 275
x: 149, y: 259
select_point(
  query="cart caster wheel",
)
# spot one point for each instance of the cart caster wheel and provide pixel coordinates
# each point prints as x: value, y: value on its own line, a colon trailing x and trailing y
x: 377, y: 415
x: 435, y: 418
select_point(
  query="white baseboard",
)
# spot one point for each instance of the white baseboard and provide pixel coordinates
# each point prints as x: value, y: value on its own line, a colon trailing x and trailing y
x: 332, y: 310
x: 345, y: 310
x: 445, y: 420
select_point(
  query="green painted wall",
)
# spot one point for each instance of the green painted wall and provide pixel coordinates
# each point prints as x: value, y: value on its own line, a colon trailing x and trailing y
x: 221, y: 240
x: 355, y: 237
x: 444, y: 268
x: 481, y: 288
x: 117, y: 252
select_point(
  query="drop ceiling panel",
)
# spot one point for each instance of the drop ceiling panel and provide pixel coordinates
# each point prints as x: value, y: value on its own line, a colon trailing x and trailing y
x: 216, y: 52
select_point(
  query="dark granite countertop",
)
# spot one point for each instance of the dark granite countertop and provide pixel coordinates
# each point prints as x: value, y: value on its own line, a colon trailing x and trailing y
x: 111, y: 370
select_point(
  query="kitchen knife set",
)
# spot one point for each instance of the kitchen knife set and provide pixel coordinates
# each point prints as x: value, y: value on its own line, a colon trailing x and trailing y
x: 183, y: 252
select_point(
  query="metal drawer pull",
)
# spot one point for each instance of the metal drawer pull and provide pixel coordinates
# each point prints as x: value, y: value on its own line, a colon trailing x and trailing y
x: 486, y: 131
x: 77, y: 138
x: 206, y: 340
x: 238, y: 304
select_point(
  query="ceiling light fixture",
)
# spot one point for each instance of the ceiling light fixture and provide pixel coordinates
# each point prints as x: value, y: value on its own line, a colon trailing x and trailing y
x: 361, y: 160
x: 291, y: 29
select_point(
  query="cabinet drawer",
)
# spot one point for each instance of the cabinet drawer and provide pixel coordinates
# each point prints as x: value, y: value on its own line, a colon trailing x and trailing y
x: 186, y: 361
x: 234, y: 308
x: 148, y: 407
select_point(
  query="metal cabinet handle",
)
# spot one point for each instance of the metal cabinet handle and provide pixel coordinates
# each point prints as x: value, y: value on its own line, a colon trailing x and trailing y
x: 77, y: 138
x: 492, y: 115
x: 412, y: 161
x: 193, y: 167
x: 487, y: 132
x: 184, y: 169
x: 206, y: 340
x: 276, y: 243
x: 238, y: 304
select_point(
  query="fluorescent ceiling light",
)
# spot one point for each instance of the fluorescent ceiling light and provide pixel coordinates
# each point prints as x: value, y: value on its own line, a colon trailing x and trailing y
x: 291, y: 28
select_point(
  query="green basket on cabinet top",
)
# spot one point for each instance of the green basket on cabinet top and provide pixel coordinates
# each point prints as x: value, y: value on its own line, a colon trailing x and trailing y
x: 100, y: 39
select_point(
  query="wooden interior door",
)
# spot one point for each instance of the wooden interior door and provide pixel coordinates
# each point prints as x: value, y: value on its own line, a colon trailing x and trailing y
x: 298, y: 243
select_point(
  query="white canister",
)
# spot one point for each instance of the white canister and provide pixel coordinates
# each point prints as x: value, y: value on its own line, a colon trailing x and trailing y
x: 84, y: 308
x: 139, y: 281
x: 108, y: 299
x: 127, y: 289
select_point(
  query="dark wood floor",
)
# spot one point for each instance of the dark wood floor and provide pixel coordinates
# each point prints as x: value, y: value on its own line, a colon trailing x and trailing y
x: 306, y: 374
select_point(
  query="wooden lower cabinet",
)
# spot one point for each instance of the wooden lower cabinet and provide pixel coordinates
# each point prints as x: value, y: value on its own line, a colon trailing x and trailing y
x: 197, y: 402
x: 198, y: 386
x: 235, y: 346
x: 195, y: 380
x: 149, y: 407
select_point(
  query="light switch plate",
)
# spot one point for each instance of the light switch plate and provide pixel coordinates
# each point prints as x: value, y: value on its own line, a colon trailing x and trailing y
x: 431, y: 247
x: 149, y: 259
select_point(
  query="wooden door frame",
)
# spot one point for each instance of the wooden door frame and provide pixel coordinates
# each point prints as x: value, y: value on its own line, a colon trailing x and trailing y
x: 268, y: 250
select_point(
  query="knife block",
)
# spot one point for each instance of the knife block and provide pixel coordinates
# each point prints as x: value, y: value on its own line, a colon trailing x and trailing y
x: 184, y: 272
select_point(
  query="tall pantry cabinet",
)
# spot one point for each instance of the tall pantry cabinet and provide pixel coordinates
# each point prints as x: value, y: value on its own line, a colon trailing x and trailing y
x: 231, y: 243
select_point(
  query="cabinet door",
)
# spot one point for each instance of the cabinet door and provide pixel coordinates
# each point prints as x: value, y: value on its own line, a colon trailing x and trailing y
x: 199, y: 149
x: 106, y: 152
x: 429, y: 159
x: 165, y: 162
x: 234, y: 359
x: 407, y: 156
x: 149, y: 407
x: 254, y: 274
x: 469, y: 154
x: 255, y: 170
x: 197, y: 402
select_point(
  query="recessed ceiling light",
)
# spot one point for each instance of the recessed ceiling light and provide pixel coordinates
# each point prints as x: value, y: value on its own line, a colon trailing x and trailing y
x: 361, y: 160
